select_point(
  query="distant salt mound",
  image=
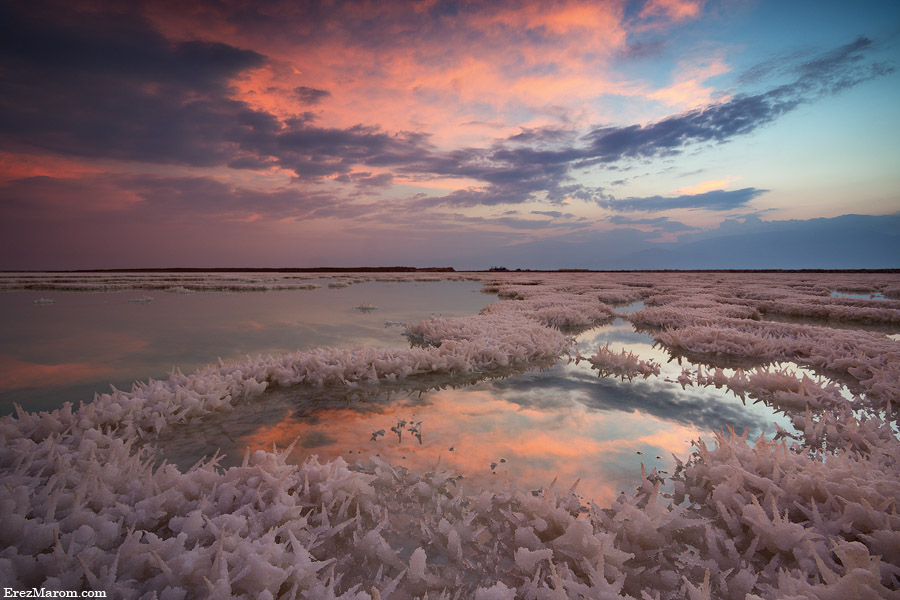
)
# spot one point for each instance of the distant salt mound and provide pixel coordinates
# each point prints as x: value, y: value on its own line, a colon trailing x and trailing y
x: 179, y: 289
x: 85, y: 508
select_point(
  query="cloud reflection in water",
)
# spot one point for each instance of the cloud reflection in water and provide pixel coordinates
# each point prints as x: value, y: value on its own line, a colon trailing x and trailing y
x: 559, y: 422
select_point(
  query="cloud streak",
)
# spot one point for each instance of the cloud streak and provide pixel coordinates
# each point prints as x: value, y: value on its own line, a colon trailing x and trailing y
x: 718, y: 200
x: 657, y: 224
x: 829, y: 73
x: 160, y: 199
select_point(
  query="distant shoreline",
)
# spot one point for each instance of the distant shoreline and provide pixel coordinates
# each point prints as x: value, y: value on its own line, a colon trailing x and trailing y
x: 401, y: 269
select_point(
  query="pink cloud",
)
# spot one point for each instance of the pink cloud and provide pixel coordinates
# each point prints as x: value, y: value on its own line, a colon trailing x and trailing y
x: 688, y: 90
x: 417, y: 71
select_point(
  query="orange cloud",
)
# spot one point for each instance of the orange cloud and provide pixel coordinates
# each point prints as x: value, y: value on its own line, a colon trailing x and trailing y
x: 481, y: 66
x: 706, y: 186
x: 675, y: 439
x: 18, y: 166
x: 542, y: 444
x: 688, y: 90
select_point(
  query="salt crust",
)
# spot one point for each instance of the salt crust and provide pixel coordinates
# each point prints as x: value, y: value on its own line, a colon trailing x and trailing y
x: 84, y: 504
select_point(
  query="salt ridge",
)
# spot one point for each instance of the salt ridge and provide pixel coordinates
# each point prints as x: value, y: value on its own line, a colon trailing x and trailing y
x: 85, y: 507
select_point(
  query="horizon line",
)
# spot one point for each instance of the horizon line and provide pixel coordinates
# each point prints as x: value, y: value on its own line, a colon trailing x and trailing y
x: 405, y: 269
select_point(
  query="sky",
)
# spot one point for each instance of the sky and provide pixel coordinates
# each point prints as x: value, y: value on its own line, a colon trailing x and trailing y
x: 568, y: 134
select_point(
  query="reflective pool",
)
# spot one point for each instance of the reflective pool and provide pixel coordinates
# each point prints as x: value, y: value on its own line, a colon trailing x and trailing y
x: 562, y: 421
x: 870, y: 296
x: 82, y: 342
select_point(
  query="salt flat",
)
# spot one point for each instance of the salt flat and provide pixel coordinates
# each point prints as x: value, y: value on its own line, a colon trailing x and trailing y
x: 807, y: 512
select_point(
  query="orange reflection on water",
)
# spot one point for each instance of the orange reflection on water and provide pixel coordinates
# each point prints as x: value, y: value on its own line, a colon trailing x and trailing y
x: 16, y: 373
x: 487, y: 439
x: 676, y: 440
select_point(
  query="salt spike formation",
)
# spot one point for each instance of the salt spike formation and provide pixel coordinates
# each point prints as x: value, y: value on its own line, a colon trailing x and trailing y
x: 625, y: 365
x: 85, y: 504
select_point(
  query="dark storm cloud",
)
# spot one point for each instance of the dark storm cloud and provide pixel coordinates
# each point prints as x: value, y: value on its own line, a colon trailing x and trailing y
x: 108, y: 85
x: 714, y: 200
x: 117, y: 43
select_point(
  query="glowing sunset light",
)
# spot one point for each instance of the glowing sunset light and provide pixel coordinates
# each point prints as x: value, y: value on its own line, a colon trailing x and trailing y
x: 489, y: 437
x: 156, y: 122
x: 706, y: 186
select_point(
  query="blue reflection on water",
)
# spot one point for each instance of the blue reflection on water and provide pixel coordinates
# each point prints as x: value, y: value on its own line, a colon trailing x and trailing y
x: 871, y: 296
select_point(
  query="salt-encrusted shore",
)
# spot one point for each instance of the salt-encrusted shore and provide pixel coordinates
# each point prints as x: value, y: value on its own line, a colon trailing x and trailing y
x: 85, y: 506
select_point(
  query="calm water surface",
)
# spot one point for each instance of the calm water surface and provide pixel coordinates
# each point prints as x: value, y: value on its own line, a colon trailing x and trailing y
x: 83, y: 341
x: 873, y: 296
x: 561, y: 421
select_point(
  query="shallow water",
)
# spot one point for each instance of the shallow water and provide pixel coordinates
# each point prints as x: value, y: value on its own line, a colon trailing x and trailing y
x: 560, y: 422
x: 631, y: 308
x: 872, y: 296
x: 83, y: 341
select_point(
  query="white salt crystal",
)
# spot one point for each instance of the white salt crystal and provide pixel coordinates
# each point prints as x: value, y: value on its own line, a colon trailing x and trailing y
x: 498, y: 591
x: 417, y: 565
